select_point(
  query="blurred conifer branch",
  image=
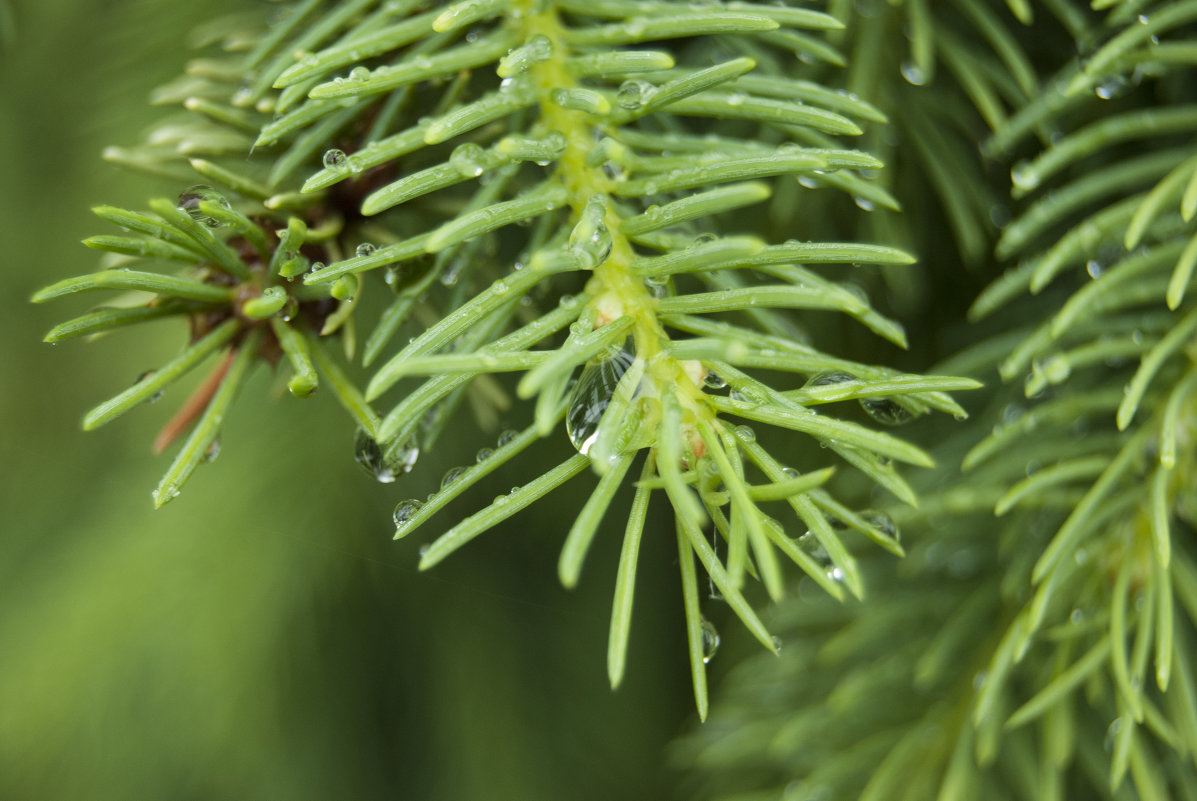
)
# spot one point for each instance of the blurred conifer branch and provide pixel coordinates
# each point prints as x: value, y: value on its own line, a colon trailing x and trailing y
x: 1059, y: 570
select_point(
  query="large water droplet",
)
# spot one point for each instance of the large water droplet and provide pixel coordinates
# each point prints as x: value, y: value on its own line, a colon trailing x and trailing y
x: 814, y: 549
x: 592, y: 395
x: 467, y: 159
x: 190, y: 199
x: 658, y: 287
x: 713, y: 380
x: 634, y: 94
x: 710, y: 641
x: 405, y: 511
x: 590, y: 239
x: 212, y: 452
x: 829, y: 377
x: 452, y: 476
x: 385, y: 465
x: 364, y: 249
x: 507, y: 437
x: 883, y: 523
x: 886, y: 411
x: 335, y: 159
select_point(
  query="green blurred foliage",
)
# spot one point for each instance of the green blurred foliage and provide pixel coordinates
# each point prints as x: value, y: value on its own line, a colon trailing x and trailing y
x: 249, y: 641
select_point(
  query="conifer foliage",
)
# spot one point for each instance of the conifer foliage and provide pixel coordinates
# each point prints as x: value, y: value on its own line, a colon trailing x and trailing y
x: 618, y: 212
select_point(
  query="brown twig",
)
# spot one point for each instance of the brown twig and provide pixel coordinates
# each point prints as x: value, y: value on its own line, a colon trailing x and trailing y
x: 194, y: 405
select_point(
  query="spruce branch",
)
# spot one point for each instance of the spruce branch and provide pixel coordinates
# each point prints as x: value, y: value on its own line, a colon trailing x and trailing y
x: 596, y: 148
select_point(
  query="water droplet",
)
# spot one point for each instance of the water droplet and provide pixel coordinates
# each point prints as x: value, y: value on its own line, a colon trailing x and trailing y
x: 657, y: 287
x: 1055, y: 368
x: 484, y: 454
x: 452, y: 271
x: 1112, y: 86
x: 555, y: 143
x: 746, y: 433
x: 157, y: 396
x: 365, y: 249
x: 507, y: 437
x: 359, y: 74
x: 776, y: 643
x: 703, y: 239
x: 335, y: 159
x: 814, y: 549
x: 710, y: 641
x: 212, y: 452
x: 864, y: 203
x: 886, y: 411
x: 913, y: 73
x: 1112, y: 734
x: 829, y: 377
x: 190, y: 199
x: 385, y: 465
x: 790, y: 472
x: 883, y: 523
x: 467, y: 159
x: 713, y: 380
x: 591, y: 396
x: 1024, y: 176
x: 634, y: 94
x: 590, y: 240
x: 1077, y: 616
x: 451, y: 476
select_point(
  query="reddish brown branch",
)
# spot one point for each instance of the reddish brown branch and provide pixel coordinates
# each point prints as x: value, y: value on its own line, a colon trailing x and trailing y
x: 194, y: 405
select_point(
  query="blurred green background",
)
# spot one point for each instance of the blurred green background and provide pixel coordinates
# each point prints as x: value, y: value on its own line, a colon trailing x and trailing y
x: 262, y: 636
